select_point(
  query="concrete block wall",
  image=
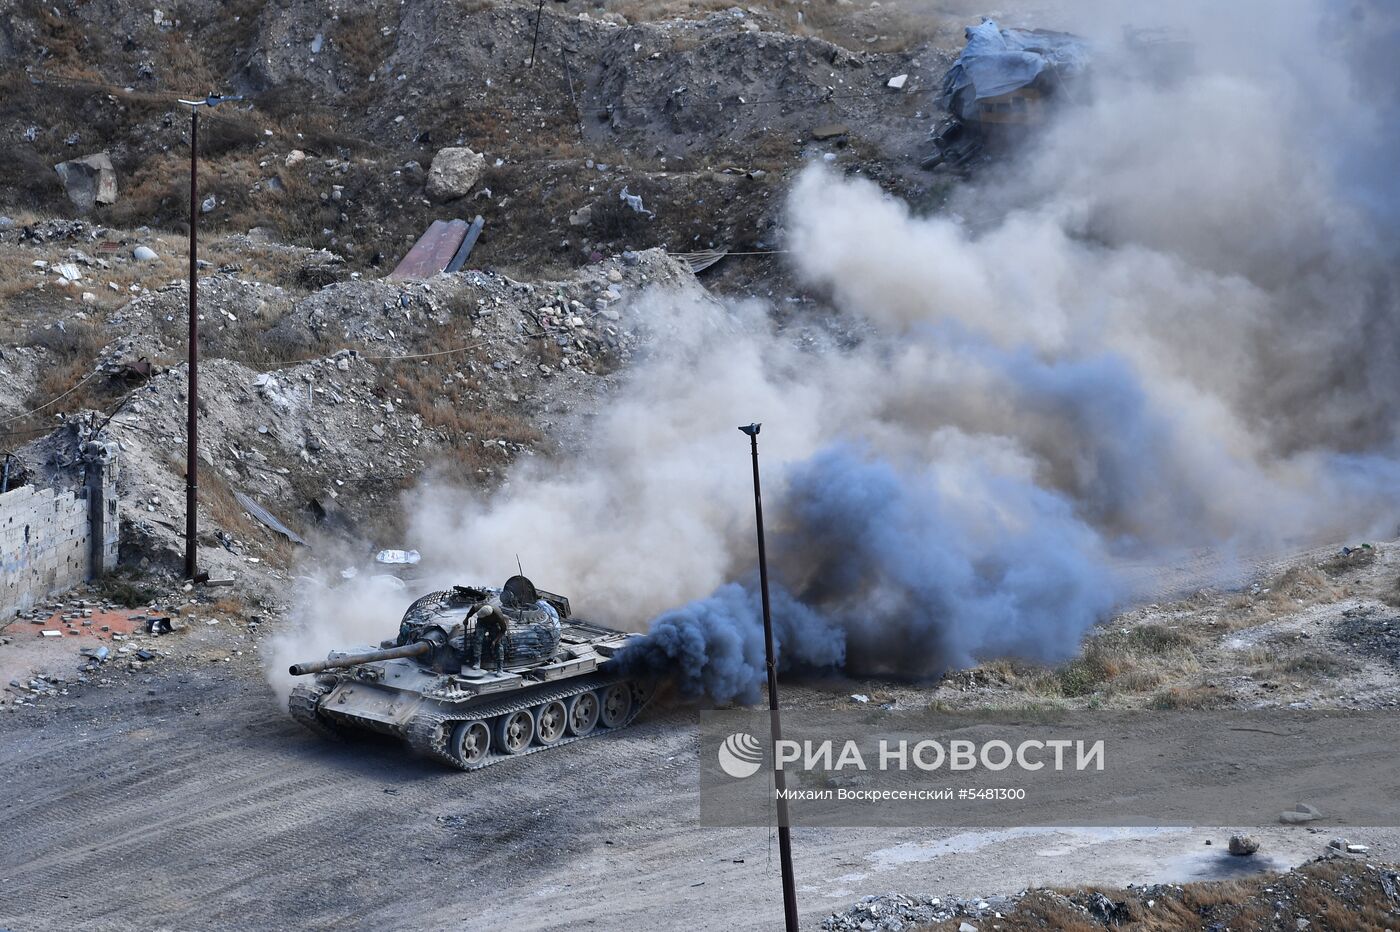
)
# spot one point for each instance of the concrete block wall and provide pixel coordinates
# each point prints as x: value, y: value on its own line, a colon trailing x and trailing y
x: 52, y: 540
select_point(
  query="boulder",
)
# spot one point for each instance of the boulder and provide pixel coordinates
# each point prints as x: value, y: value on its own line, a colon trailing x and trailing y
x: 1243, y: 845
x: 453, y: 172
x: 89, y: 181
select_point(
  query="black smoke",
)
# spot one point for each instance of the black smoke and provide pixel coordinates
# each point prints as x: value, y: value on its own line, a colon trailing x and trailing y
x: 877, y: 570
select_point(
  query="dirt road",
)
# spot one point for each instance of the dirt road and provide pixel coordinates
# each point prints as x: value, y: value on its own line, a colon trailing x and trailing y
x: 190, y: 802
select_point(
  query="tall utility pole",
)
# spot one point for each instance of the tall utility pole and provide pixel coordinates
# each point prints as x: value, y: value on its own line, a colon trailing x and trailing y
x: 192, y: 414
x: 779, y: 778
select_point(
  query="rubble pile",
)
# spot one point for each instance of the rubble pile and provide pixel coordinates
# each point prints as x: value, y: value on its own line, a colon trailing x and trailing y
x: 336, y: 431
x: 1343, y: 886
x: 895, y: 912
x: 93, y: 638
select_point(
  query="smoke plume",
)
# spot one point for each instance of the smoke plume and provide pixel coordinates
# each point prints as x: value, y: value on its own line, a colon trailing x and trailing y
x: 1168, y: 323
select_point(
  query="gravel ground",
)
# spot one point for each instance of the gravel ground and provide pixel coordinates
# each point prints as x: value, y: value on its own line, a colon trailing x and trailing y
x: 185, y: 799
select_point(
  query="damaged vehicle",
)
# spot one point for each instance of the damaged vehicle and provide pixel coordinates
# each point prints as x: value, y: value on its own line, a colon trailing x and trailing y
x: 477, y: 675
x: 1005, y: 82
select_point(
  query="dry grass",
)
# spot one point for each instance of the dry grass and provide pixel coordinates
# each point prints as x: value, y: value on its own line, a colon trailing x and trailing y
x: 1295, y: 589
x: 1137, y: 660
x: 361, y: 45
x: 1355, y: 558
x: 230, y: 606
x: 1283, y: 661
x: 72, y: 346
x: 451, y: 402
x: 1187, y: 699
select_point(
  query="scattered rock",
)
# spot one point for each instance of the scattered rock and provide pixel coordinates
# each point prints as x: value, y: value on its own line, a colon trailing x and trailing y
x: 89, y: 181
x: 897, y: 81
x: 144, y: 254
x: 453, y: 172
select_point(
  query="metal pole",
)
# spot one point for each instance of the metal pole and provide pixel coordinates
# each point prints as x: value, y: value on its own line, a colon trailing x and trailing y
x: 192, y: 422
x: 779, y: 778
x: 535, y: 43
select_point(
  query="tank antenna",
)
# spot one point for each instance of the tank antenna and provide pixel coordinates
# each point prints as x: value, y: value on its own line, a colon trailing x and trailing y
x: 518, y: 567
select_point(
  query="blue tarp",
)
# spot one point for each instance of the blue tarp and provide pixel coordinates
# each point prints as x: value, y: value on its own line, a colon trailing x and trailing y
x: 998, y: 61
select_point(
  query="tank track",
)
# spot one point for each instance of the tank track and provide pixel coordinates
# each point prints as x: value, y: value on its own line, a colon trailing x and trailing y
x: 303, y: 703
x: 428, y: 731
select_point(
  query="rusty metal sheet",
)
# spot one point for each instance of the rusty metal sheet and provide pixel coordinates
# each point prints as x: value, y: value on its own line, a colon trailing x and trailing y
x: 433, y: 251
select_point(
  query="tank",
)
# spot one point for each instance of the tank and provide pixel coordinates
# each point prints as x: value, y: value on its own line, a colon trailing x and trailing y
x: 475, y: 676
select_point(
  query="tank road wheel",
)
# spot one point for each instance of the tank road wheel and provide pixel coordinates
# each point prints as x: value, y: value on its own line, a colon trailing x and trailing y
x: 471, y: 741
x: 515, y: 731
x: 617, y: 705
x: 583, y: 714
x: 551, y: 722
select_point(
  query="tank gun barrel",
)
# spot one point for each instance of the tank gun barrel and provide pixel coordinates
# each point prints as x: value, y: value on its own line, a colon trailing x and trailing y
x: 350, y: 660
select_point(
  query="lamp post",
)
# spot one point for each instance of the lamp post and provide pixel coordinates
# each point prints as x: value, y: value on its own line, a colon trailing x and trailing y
x: 779, y: 778
x: 192, y: 415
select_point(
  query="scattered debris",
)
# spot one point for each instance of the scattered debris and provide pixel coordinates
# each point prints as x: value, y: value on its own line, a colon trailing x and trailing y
x: 266, y: 517
x: 634, y: 201
x: 408, y: 557
x: 700, y: 261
